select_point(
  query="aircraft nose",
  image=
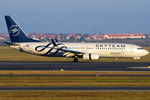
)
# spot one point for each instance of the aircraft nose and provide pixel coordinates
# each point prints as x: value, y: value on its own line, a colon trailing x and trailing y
x: 146, y: 52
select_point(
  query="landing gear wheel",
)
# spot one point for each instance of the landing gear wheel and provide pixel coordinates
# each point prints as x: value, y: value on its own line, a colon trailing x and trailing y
x: 133, y: 60
x: 75, y: 59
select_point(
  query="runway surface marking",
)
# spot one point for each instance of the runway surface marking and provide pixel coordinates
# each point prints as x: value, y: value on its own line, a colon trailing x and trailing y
x: 139, y: 67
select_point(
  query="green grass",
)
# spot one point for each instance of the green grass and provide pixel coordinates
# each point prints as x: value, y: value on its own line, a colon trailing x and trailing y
x: 9, y: 54
x: 73, y: 81
x: 60, y: 95
x: 59, y: 72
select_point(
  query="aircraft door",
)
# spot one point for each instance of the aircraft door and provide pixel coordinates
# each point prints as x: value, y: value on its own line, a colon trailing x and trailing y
x: 131, y: 51
x: 83, y: 47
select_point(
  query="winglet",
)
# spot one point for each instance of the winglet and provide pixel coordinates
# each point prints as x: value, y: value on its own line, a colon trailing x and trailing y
x: 56, y: 40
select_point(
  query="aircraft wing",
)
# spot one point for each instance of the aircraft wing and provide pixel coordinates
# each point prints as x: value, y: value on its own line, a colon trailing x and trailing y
x: 72, y: 51
x: 67, y: 52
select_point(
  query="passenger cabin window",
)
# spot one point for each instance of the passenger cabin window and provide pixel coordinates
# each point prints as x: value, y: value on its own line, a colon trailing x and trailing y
x: 139, y: 48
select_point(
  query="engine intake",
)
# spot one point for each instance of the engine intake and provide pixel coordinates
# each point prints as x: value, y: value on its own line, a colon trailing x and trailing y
x: 91, y: 56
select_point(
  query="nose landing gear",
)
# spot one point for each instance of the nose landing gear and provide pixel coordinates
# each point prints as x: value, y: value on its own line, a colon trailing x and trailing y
x: 75, y: 59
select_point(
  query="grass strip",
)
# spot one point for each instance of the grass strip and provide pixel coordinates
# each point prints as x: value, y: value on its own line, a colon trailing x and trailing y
x: 77, y: 95
x: 74, y: 81
x: 37, y: 72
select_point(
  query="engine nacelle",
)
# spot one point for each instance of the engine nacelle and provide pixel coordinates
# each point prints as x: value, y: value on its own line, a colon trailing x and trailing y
x: 91, y: 56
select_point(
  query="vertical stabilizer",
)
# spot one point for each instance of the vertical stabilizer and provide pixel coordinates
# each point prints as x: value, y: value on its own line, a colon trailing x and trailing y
x: 15, y: 32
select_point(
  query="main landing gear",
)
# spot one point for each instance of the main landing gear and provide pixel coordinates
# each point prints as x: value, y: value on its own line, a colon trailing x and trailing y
x: 75, y: 59
x: 133, y: 60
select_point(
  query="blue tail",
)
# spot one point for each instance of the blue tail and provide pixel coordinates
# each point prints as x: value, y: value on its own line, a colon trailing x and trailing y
x: 15, y: 32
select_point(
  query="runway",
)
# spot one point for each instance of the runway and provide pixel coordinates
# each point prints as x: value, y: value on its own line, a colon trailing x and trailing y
x: 71, y: 66
x: 80, y: 66
x: 83, y: 88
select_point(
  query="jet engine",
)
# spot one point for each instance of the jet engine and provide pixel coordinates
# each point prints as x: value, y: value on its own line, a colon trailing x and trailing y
x: 91, y: 56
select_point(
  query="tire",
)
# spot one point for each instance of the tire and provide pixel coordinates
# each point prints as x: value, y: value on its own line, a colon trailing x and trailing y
x: 75, y: 59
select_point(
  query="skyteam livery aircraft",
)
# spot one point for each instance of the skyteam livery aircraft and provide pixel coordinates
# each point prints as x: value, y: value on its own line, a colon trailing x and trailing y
x: 87, y: 51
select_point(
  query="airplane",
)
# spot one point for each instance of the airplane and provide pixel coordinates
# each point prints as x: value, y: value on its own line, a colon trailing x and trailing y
x: 87, y: 51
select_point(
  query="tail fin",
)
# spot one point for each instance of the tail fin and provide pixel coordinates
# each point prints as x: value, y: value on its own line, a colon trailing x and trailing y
x: 15, y: 32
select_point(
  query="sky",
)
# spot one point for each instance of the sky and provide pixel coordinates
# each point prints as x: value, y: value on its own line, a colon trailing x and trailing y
x: 77, y: 16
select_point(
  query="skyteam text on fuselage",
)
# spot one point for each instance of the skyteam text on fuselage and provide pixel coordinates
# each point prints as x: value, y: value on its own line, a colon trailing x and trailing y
x: 87, y: 51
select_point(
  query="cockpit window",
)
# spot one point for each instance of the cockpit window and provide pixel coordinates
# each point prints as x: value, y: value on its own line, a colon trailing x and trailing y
x: 139, y: 48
